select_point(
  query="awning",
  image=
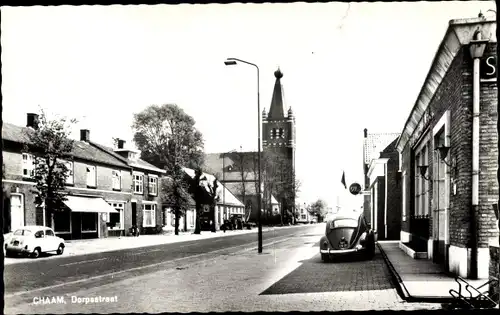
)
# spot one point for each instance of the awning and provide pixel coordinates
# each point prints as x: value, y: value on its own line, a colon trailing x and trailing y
x: 88, y: 204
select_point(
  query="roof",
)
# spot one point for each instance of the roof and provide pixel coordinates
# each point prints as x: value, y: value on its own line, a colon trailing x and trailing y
x: 376, y: 143
x: 459, y: 33
x: 139, y: 163
x: 276, y: 110
x: 231, y: 161
x: 230, y: 199
x: 81, y: 149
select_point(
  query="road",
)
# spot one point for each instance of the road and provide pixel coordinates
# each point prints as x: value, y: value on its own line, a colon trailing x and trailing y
x: 219, y: 274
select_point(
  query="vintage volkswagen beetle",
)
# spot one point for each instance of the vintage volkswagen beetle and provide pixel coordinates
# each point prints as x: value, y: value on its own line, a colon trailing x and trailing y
x: 347, y: 233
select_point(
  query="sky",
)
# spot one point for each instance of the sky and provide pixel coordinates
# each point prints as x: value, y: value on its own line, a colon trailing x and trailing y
x: 346, y: 67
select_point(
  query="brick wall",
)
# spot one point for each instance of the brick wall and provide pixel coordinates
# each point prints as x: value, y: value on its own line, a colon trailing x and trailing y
x: 393, y: 198
x: 407, y: 208
x: 494, y: 268
x: 380, y: 181
x: 455, y: 94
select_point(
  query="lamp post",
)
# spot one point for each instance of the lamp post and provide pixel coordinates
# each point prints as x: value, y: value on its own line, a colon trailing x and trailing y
x: 232, y: 62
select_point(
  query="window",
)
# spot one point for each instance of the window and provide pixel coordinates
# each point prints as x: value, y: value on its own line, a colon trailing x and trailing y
x: 191, y: 218
x: 138, y: 183
x: 115, y: 220
x: 345, y: 223
x: 116, y: 178
x: 49, y: 233
x: 91, y: 176
x: 28, y: 165
x: 149, y: 215
x: 39, y: 234
x: 89, y: 222
x: 404, y: 196
x: 421, y: 184
x: 69, y: 166
x: 153, y: 185
x: 62, y: 221
x: 303, y: 216
x: 282, y: 133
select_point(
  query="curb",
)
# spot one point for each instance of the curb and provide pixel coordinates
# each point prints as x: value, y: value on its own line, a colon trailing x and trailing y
x: 403, y: 291
x: 400, y: 287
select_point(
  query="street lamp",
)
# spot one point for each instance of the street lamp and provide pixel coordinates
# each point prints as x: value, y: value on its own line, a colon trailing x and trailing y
x: 233, y: 62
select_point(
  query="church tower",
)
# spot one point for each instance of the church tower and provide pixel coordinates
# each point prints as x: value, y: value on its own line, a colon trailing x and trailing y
x: 278, y: 130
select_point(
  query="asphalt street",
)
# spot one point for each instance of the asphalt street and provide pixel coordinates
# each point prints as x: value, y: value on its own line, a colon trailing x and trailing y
x: 288, y: 276
x: 24, y: 277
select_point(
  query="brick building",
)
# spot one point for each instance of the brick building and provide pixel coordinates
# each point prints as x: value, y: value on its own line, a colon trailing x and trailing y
x: 384, y: 184
x: 449, y: 151
x: 100, y: 189
x: 373, y: 145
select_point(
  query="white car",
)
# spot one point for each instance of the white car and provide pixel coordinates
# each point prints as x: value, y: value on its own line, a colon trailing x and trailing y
x: 34, y: 240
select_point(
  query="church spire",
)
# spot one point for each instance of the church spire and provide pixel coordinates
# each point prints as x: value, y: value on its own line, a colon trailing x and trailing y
x: 276, y: 110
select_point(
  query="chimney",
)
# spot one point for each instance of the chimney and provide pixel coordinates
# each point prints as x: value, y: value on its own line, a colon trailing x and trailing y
x: 121, y: 144
x: 366, y: 132
x: 85, y: 135
x: 32, y: 121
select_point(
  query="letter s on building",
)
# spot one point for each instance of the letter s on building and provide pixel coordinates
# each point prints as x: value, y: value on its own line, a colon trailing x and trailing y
x: 490, y: 62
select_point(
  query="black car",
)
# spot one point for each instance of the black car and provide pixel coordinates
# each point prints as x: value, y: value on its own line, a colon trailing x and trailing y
x: 347, y: 233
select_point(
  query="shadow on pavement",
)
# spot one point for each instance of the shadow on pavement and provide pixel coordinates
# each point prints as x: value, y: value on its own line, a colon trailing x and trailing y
x: 343, y: 274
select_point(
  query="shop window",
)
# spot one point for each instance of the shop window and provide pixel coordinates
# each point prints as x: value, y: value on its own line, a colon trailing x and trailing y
x: 89, y: 222
x: 421, y: 184
x: 115, y: 220
x: 149, y: 215
x: 62, y: 221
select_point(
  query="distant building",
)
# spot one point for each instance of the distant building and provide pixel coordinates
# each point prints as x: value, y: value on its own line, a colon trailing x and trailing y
x: 238, y: 171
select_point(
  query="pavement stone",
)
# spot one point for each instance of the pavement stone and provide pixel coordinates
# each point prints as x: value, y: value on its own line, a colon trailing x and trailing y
x: 420, y: 279
x: 232, y: 282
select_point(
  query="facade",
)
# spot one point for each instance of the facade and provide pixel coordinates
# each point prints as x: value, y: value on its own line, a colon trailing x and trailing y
x: 186, y: 222
x: 373, y: 145
x: 100, y: 186
x: 385, y: 192
x: 145, y: 205
x: 304, y: 216
x: 449, y: 152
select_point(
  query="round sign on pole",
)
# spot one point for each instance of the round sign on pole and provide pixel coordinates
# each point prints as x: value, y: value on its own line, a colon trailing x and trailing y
x: 355, y: 188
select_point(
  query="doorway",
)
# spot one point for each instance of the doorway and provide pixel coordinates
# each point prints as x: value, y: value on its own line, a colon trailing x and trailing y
x: 16, y: 211
x: 134, y: 214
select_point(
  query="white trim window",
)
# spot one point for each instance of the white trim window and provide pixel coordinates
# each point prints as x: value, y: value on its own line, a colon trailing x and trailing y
x: 91, y: 176
x: 28, y: 165
x: 116, y: 218
x: 116, y: 178
x: 422, y: 184
x: 403, y: 201
x: 138, y: 183
x: 70, y: 176
x: 149, y: 215
x: 153, y: 185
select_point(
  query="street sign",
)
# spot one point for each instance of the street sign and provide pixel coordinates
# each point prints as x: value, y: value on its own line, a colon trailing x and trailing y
x: 355, y: 188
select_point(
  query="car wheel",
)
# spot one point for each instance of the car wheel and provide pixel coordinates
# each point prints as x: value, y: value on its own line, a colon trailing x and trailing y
x: 9, y: 253
x: 36, y: 253
x: 60, y: 249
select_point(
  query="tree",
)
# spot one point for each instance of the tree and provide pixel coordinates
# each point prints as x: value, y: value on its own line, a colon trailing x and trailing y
x: 204, y: 192
x: 319, y: 208
x: 167, y: 138
x: 51, y: 147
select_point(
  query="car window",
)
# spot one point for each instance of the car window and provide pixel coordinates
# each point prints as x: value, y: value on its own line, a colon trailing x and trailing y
x: 39, y: 234
x: 22, y: 232
x: 345, y: 223
x: 49, y: 233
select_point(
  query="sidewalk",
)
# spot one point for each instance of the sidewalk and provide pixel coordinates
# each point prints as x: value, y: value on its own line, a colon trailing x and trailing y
x: 419, y: 280
x: 84, y: 247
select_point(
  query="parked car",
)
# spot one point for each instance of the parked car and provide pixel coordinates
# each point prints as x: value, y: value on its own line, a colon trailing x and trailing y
x: 347, y: 233
x: 33, y: 241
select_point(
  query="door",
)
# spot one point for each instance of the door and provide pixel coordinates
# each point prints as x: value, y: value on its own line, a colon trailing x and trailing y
x: 134, y: 214
x: 50, y: 240
x: 16, y: 212
x: 76, y: 225
x: 439, y: 208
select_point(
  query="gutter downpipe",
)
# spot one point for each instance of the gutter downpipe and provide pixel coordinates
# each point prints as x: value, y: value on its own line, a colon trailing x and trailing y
x: 476, y: 54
